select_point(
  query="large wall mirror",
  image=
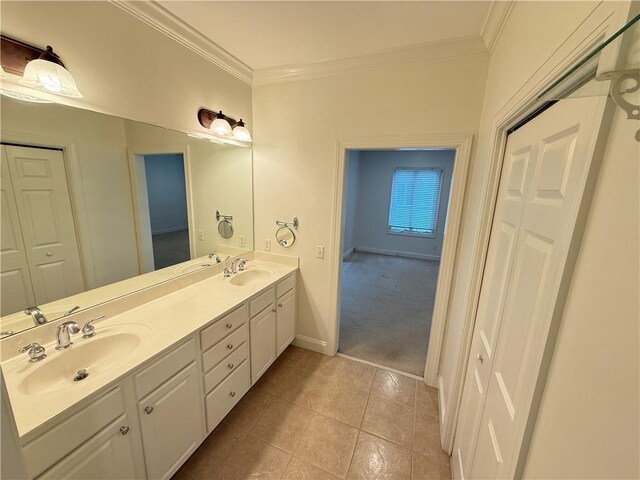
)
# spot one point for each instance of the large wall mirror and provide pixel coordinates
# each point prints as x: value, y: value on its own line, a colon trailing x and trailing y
x: 96, y: 206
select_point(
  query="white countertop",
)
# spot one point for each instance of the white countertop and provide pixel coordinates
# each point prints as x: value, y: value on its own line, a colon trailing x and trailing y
x: 160, y: 323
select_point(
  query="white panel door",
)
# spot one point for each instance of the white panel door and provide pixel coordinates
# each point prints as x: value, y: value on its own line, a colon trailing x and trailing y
x: 520, y: 290
x: 286, y: 321
x: 15, y: 287
x: 48, y: 228
x: 263, y: 342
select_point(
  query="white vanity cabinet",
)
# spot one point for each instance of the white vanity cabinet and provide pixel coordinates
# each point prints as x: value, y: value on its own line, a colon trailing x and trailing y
x: 225, y: 364
x: 273, y: 325
x: 170, y: 411
x: 98, y: 441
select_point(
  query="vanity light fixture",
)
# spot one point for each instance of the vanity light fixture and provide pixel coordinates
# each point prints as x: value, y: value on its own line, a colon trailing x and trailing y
x: 240, y: 132
x: 224, y: 126
x: 221, y: 126
x: 40, y: 69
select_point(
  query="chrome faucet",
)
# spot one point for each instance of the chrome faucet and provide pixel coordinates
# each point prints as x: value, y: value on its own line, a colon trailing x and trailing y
x: 214, y: 256
x: 63, y: 334
x: 238, y: 265
x: 36, y: 314
x: 36, y: 352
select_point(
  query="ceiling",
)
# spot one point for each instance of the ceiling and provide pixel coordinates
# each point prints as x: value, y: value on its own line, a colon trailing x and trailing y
x: 267, y: 34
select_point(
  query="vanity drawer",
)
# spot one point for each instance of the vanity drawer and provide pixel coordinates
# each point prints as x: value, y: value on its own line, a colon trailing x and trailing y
x: 216, y: 332
x: 214, y: 355
x: 224, y: 368
x: 163, y: 369
x: 226, y: 395
x: 65, y: 437
x: 263, y: 301
x: 285, y: 285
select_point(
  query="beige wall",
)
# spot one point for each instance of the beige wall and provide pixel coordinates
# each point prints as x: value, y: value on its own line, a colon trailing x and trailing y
x: 297, y: 127
x: 125, y: 67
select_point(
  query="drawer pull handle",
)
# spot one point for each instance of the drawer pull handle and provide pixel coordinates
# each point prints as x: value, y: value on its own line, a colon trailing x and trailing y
x: 230, y: 366
x: 229, y: 325
x: 148, y: 410
x: 280, y: 305
x: 124, y: 430
x: 273, y: 309
x: 230, y: 346
x: 232, y: 394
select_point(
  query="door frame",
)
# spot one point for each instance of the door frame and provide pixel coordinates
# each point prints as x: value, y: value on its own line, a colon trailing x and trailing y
x: 134, y: 155
x: 76, y: 193
x: 602, y: 22
x: 462, y: 144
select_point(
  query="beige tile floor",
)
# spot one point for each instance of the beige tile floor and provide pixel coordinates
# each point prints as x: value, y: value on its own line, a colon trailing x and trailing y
x: 317, y: 417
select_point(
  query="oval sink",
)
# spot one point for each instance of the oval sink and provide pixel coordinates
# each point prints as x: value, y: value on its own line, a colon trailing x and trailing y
x: 249, y: 276
x: 95, y: 356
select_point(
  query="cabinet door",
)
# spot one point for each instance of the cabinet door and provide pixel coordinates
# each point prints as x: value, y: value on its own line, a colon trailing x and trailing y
x: 107, y: 455
x: 286, y: 325
x: 263, y: 342
x: 172, y: 423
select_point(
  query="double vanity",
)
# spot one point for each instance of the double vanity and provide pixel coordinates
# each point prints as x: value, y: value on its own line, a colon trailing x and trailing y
x: 164, y: 367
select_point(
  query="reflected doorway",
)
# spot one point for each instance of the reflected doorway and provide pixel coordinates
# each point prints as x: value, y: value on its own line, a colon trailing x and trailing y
x: 168, y: 214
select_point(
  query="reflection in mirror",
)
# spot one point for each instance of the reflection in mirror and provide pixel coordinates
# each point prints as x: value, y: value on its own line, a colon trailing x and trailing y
x: 96, y: 206
x: 225, y: 228
x: 285, y: 236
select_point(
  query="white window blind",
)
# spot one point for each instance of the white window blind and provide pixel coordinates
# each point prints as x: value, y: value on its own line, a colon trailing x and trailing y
x: 415, y: 195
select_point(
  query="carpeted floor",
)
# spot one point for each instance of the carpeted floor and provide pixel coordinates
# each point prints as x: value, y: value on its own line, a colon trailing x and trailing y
x: 170, y: 248
x: 387, y: 303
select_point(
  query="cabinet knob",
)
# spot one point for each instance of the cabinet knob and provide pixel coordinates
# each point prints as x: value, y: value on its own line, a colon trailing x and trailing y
x: 280, y: 305
x: 124, y: 430
x: 49, y: 254
x: 232, y: 394
x: 230, y: 366
x: 480, y: 358
x: 228, y: 325
x: 230, y: 346
x: 148, y: 410
x: 273, y: 309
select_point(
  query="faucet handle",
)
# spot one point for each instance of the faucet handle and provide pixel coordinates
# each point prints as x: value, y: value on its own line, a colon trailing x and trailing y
x: 241, y: 264
x: 227, y: 272
x: 89, y: 330
x: 36, y: 351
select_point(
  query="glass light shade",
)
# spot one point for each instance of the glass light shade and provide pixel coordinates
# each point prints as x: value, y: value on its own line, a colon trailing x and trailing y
x: 220, y: 126
x: 50, y: 77
x: 23, y: 97
x: 240, y: 132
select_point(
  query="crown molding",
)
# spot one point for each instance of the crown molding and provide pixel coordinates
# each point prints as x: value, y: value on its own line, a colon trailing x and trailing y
x: 499, y: 11
x: 158, y: 17
x: 429, y: 52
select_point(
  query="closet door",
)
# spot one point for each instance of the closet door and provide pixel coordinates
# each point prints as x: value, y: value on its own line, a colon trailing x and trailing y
x: 48, y: 228
x: 521, y: 294
x: 15, y: 286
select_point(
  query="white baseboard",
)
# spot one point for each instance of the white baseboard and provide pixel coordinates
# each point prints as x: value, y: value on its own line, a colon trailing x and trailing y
x: 393, y: 253
x: 169, y: 230
x: 348, y: 253
x: 442, y: 405
x: 310, y: 344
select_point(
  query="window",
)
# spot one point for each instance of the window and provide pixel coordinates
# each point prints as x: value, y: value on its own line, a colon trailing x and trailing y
x: 415, y: 195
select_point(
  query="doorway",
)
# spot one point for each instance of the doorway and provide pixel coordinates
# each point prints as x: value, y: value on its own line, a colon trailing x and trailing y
x: 167, y: 200
x: 395, y: 216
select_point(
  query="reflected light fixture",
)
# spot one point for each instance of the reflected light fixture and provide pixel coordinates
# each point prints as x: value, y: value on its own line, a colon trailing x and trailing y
x: 40, y: 69
x: 224, y: 126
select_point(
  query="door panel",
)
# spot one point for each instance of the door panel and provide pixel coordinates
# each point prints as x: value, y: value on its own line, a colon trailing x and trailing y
x: 48, y: 228
x: 15, y: 286
x: 561, y: 142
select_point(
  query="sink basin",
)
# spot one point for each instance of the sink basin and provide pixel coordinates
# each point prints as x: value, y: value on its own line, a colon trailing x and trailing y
x: 249, y: 276
x: 97, y: 355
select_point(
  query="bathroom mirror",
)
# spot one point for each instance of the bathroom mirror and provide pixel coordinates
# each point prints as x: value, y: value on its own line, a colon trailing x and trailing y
x: 225, y: 228
x: 285, y: 236
x: 95, y: 207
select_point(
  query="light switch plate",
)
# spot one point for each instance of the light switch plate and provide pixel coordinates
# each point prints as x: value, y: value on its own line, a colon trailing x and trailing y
x: 201, y: 235
x: 319, y: 251
x: 267, y: 244
x: 243, y: 241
